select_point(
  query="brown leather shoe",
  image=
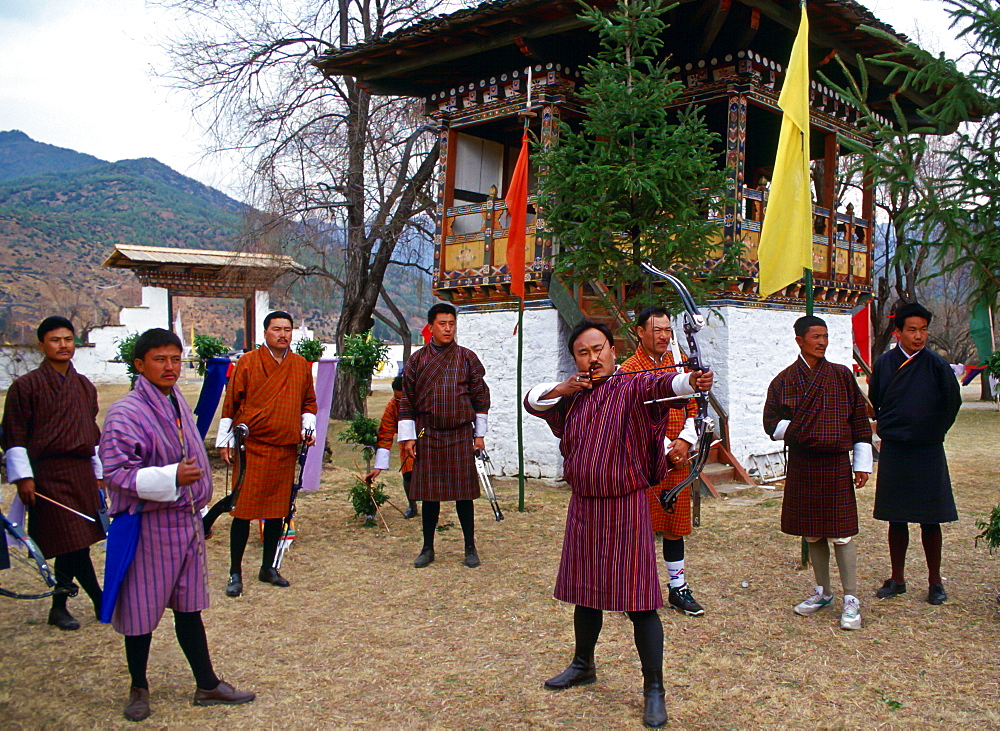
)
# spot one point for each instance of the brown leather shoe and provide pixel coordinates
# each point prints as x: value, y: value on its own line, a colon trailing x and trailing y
x: 138, y: 704
x: 223, y: 693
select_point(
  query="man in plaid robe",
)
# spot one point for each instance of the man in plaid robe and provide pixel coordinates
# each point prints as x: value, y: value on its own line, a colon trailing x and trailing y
x: 613, y: 450
x: 50, y: 436
x: 386, y: 433
x: 816, y: 407
x: 442, y: 420
x: 655, y: 334
x: 271, y: 391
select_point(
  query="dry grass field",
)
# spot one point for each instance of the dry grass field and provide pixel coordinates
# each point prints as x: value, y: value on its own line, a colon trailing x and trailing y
x: 362, y: 639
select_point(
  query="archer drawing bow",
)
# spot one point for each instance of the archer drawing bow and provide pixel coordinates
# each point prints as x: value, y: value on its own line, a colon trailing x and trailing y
x: 286, y: 522
x: 704, y: 424
x: 484, y: 467
x: 228, y: 503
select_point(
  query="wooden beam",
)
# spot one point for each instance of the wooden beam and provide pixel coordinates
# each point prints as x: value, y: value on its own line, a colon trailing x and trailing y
x: 714, y: 25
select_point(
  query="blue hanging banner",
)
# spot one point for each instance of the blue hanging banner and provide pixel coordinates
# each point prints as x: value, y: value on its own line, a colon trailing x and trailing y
x: 216, y: 377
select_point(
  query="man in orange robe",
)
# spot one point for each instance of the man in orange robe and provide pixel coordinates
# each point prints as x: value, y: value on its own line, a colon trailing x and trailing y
x: 655, y: 332
x: 271, y: 391
x: 386, y: 431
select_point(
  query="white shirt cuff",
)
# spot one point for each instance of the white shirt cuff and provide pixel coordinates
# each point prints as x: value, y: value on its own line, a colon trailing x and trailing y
x: 862, y: 457
x: 406, y: 430
x: 482, y: 425
x: 779, y: 431
x: 381, y: 459
x: 309, y: 422
x: 158, y: 484
x: 95, y: 462
x: 225, y: 435
x: 681, y: 385
x: 689, y: 434
x: 18, y: 464
x: 535, y: 399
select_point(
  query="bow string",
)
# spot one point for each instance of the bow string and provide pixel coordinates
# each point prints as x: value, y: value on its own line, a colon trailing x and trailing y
x: 704, y: 424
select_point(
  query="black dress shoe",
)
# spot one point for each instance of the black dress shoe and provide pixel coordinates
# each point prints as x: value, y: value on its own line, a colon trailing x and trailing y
x: 425, y: 558
x: 471, y: 558
x: 890, y: 588
x: 270, y: 575
x: 654, y: 712
x: 235, y: 585
x: 62, y: 619
x: 936, y: 594
x: 580, y: 672
x: 411, y: 512
x: 138, y: 704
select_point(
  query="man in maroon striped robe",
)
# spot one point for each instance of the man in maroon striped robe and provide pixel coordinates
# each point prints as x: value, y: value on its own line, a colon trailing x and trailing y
x: 613, y: 450
x: 442, y: 420
x: 155, y: 465
x: 50, y: 436
x: 816, y: 407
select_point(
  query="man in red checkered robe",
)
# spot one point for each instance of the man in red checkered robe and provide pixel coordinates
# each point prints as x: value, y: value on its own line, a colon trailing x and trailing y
x: 655, y: 334
x: 442, y: 420
x: 817, y: 408
x: 271, y: 391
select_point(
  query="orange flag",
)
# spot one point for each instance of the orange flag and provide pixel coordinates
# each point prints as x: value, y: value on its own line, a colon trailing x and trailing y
x: 517, y: 207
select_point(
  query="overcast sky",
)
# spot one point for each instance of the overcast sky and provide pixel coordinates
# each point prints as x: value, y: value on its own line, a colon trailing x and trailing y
x: 81, y: 74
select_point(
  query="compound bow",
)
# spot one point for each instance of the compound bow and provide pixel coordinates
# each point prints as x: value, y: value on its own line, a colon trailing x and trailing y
x: 704, y: 424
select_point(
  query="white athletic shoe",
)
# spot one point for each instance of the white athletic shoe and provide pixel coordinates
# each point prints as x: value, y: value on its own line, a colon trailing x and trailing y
x: 814, y: 603
x: 851, y: 618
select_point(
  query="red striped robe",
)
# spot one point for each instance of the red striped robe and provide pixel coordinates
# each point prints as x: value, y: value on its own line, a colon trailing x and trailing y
x: 612, y: 447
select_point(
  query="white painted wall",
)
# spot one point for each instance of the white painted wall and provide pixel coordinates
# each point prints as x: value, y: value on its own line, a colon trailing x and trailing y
x: 15, y: 361
x: 491, y: 336
x: 262, y: 307
x: 747, y: 347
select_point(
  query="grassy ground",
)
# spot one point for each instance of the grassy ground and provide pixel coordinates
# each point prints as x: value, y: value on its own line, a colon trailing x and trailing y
x: 361, y: 639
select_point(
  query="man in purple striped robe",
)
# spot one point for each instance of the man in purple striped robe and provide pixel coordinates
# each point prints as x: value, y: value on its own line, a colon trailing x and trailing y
x: 613, y: 449
x: 155, y: 464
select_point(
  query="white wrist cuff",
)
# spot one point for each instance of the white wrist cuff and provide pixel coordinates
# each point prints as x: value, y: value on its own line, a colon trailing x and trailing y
x: 681, y: 385
x: 535, y: 399
x: 779, y: 431
x: 158, y: 484
x: 95, y: 462
x: 689, y: 433
x: 225, y: 435
x: 482, y: 425
x: 862, y: 457
x: 381, y: 459
x: 18, y: 464
x: 406, y: 430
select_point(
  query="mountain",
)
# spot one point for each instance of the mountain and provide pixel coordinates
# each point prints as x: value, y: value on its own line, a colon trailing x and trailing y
x: 62, y: 212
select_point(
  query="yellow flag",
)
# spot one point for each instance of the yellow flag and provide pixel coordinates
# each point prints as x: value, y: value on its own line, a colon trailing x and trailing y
x: 786, y: 236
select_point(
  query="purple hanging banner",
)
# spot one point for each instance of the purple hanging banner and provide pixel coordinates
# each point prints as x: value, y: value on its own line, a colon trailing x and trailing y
x: 326, y: 376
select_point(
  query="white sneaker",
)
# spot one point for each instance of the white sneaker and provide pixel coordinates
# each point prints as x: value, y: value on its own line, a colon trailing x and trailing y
x: 816, y: 601
x: 851, y: 618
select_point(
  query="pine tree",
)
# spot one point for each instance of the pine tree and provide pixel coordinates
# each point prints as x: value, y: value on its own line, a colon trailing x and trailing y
x: 636, y: 179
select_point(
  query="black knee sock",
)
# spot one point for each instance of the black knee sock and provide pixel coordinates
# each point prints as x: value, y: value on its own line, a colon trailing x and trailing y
x: 239, y: 533
x: 429, y: 512
x: 467, y: 517
x: 191, y: 637
x: 899, y: 540
x: 76, y: 565
x: 407, y: 479
x: 673, y: 550
x: 137, y: 657
x: 648, y: 632
x: 930, y: 536
x: 65, y: 570
x: 587, y: 624
x: 272, y: 534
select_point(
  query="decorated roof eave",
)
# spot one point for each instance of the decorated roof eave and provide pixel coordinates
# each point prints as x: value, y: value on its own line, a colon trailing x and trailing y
x: 392, y: 65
